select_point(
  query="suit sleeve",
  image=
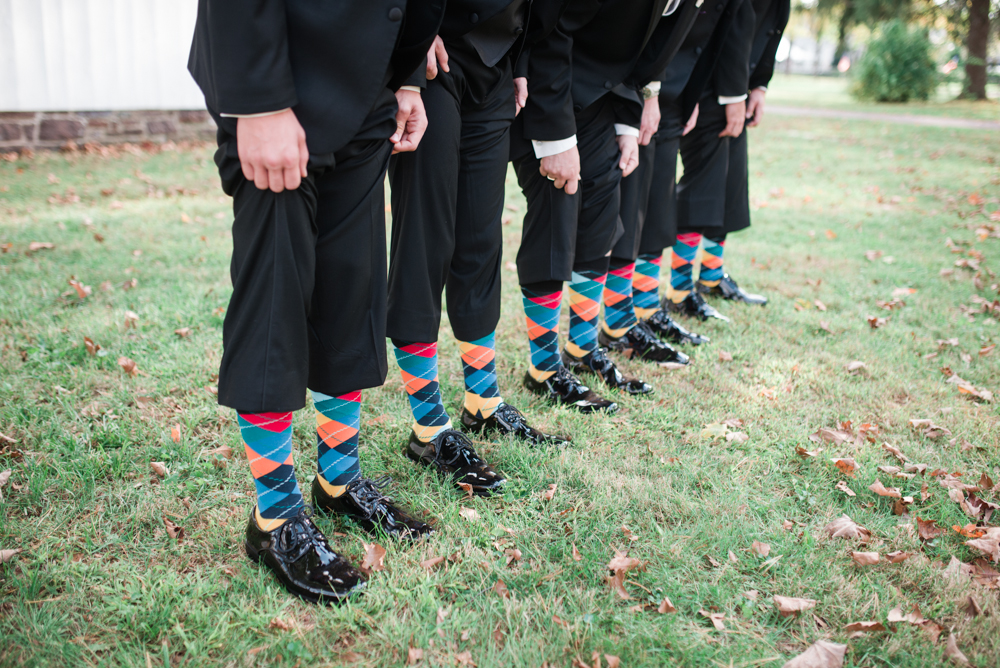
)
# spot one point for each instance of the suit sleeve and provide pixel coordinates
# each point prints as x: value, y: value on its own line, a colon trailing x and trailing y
x: 247, y: 55
x: 549, y: 115
x: 764, y: 70
x: 732, y: 71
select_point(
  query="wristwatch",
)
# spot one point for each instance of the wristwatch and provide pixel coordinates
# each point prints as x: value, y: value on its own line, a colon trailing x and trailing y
x: 648, y: 93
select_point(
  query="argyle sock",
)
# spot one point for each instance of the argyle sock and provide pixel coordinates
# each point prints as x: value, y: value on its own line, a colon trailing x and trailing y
x: 711, y: 260
x: 268, y: 441
x: 584, y: 304
x: 681, y: 264
x: 482, y: 396
x: 646, y: 284
x: 338, y: 420
x: 542, y: 302
x: 419, y: 364
x: 619, y: 311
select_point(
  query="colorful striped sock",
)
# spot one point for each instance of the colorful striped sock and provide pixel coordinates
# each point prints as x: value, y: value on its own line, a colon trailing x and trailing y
x: 711, y: 261
x: 646, y: 284
x: 619, y: 311
x: 338, y: 420
x: 584, y: 305
x: 681, y: 264
x: 268, y: 441
x: 541, y: 311
x: 419, y: 364
x: 482, y: 396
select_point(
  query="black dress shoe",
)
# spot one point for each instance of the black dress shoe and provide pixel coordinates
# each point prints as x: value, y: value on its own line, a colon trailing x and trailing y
x: 364, y: 503
x: 666, y: 328
x: 694, y: 306
x: 598, y: 363
x: 507, y: 420
x: 566, y: 389
x: 640, y: 343
x: 452, y: 454
x: 728, y: 289
x: 298, y: 554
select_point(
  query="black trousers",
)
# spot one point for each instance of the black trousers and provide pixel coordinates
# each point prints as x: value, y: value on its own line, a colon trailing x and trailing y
x: 561, y: 230
x: 308, y: 272
x: 447, y: 204
x: 712, y: 196
x: 649, y: 194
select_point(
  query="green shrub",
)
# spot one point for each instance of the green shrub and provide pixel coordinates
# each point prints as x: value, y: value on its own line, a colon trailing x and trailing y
x: 897, y: 67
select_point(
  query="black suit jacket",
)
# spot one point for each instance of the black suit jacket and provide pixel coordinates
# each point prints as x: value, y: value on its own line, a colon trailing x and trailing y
x: 731, y: 74
x: 326, y: 59
x: 772, y: 17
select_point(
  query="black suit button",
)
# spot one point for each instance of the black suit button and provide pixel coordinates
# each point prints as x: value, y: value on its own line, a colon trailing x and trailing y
x: 474, y: 17
x: 519, y: 31
x: 719, y: 7
x: 697, y: 50
x: 395, y: 14
x: 577, y: 108
x: 752, y: 65
x: 608, y: 85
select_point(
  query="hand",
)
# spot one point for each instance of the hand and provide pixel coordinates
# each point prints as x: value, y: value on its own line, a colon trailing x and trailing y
x: 650, y: 120
x: 629, y: 147
x: 272, y: 150
x: 693, y: 121
x: 736, y: 116
x: 437, y: 56
x: 563, y: 169
x: 520, y: 94
x: 755, y: 107
x: 411, y: 122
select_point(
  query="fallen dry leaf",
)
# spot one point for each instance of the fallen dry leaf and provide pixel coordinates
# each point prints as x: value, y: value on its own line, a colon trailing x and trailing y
x: 467, y: 488
x: 159, y: 468
x: 559, y: 621
x: 802, y: 452
x: 223, y: 450
x: 725, y: 357
x: 862, y: 627
x: 512, y: 555
x: 666, y: 607
x: 281, y: 624
x: 846, y: 465
x: 500, y: 589
x: 927, y: 529
x: 952, y: 651
x: 613, y: 661
x: 821, y: 654
x: 875, y: 322
x: 175, y: 433
x: 989, y: 544
x: 82, y: 291
x: 413, y: 655
x: 182, y: 332
x: 716, y: 619
x: 128, y: 366
x: 894, y: 451
x: 842, y: 486
x: 912, y: 617
x: 374, y: 560
x: 882, y: 490
x: 865, y: 558
x: 549, y: 493
x: 91, y: 347
x: 897, y: 557
x: 825, y: 326
x: 834, y: 436
x: 788, y: 525
x: 7, y: 555
x: 576, y: 554
x: 855, y: 367
x: 430, y: 564
x: 737, y: 436
x: 845, y: 527
x: 790, y: 607
x: 40, y: 245
x: 760, y: 549
x: 131, y: 317
x: 173, y: 530
x: 819, y: 305
x: 469, y: 514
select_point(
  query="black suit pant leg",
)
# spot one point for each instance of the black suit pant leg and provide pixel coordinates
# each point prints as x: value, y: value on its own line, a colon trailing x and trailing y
x: 561, y: 230
x: 701, y: 192
x: 308, y: 272
x: 447, y: 204
x: 660, y: 229
x: 737, y: 215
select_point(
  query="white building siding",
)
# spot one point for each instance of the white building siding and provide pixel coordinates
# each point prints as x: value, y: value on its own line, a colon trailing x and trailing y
x: 89, y: 55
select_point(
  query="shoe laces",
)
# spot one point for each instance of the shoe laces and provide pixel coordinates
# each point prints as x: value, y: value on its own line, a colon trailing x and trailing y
x: 644, y: 335
x: 298, y: 536
x: 697, y: 300
x: 456, y: 447
x: 368, y: 496
x: 602, y: 364
x: 510, y: 415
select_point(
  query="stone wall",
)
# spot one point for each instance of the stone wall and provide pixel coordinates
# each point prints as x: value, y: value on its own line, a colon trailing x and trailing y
x: 53, y: 129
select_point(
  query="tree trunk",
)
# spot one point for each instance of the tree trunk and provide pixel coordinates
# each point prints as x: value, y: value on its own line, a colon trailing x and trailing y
x: 844, y: 25
x: 976, y: 40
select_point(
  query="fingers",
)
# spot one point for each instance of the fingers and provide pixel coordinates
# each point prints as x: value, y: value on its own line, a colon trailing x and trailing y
x: 432, y: 66
x: 442, y: 54
x: 248, y: 170
x: 644, y: 137
x: 292, y: 178
x: 303, y: 156
x: 571, y: 186
x: 559, y: 183
x: 276, y: 180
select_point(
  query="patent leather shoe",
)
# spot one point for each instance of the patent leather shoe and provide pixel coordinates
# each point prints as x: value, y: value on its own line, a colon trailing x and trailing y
x: 364, y: 502
x: 564, y: 388
x: 598, y: 363
x: 508, y: 421
x: 451, y: 453
x: 640, y: 343
x: 299, y: 556
x: 668, y: 329
x: 729, y: 289
x: 694, y: 306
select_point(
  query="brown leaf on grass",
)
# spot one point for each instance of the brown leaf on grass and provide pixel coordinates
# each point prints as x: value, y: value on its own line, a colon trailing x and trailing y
x: 846, y: 465
x: 628, y: 533
x: 802, y: 452
x: 863, y: 627
x: 855, y: 367
x: 91, y: 347
x: 432, y: 563
x: 467, y: 488
x: 894, y: 451
x: 613, y: 661
x: 374, y: 560
x: 830, y: 234
x: 549, y: 493
x: 725, y: 357
x: 159, y: 468
x: 986, y: 350
x: 913, y: 617
x: 175, y: 433
x: 666, y: 607
x: 821, y: 654
x: 897, y: 557
x: 760, y: 549
x: 576, y: 554
x: 131, y: 317
x: 865, y: 558
x: 469, y: 513
x: 413, y: 655
x: 875, y: 322
x: 128, y: 366
x: 559, y: 621
x: 82, y: 291
x: 737, y: 436
x: 788, y: 525
x: 825, y: 326
x: 4, y: 477
x: 833, y: 436
x: 223, y: 450
x: 7, y: 555
x: 35, y: 246
x: 989, y: 544
x: 617, y: 583
x: 500, y: 589
x: 789, y: 606
x: 714, y: 617
x: 882, y: 490
x: 173, y: 530
x: 845, y: 527
x: 182, y: 332
x: 512, y: 555
x: 280, y: 624
x: 819, y: 305
x: 972, y: 607
x: 842, y: 486
x: 928, y: 530
x: 952, y: 651
x: 7, y: 439
x: 872, y: 255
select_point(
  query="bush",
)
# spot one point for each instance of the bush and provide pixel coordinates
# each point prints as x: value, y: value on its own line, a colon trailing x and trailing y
x: 897, y: 67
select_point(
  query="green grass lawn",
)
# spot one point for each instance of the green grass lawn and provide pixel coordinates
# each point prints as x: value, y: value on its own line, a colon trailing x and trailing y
x: 99, y: 582
x: 797, y: 90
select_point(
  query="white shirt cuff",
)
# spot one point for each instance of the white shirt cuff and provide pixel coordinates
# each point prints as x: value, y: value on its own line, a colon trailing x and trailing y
x: 415, y: 89
x: 260, y: 115
x: 544, y: 149
x: 731, y: 99
x: 622, y: 129
x: 654, y: 87
x: 671, y: 7
x: 762, y: 89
